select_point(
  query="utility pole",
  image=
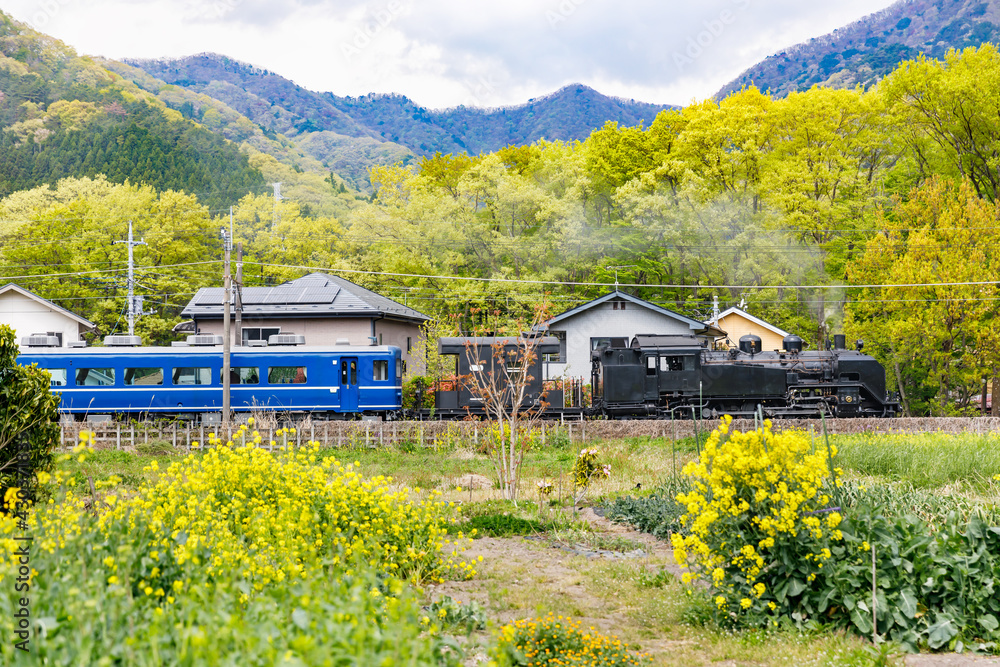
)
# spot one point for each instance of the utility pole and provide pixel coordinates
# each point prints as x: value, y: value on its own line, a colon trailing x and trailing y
x: 131, y: 281
x: 239, y: 293
x: 277, y: 198
x: 226, y: 342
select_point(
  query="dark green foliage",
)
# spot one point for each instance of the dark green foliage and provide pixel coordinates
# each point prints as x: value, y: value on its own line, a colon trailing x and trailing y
x: 501, y: 525
x: 416, y: 394
x: 147, y: 148
x: 28, y: 407
x: 934, y: 589
x: 657, y: 514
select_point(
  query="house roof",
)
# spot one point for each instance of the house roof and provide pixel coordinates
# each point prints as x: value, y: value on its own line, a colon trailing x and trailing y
x: 697, y: 328
x: 11, y: 287
x: 314, y: 295
x: 747, y: 316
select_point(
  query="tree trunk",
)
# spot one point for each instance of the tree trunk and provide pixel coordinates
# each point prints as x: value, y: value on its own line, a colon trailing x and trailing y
x: 899, y: 379
x: 995, y: 411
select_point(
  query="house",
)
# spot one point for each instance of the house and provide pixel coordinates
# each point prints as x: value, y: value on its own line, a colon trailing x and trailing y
x: 737, y: 323
x: 324, y: 309
x: 27, y: 313
x: 614, y: 315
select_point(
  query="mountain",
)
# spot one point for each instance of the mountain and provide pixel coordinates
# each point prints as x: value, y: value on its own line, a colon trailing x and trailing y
x: 282, y: 106
x: 866, y: 50
x: 62, y: 115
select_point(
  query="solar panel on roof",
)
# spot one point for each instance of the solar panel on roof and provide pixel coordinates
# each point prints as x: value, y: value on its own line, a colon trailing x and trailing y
x: 255, y: 295
x: 318, y: 294
x: 209, y: 296
x: 282, y: 295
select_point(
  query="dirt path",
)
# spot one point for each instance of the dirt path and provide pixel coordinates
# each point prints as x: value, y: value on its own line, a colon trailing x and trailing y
x: 519, y: 574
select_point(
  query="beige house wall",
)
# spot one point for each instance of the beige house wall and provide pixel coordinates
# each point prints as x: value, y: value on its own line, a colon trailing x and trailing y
x: 357, y: 331
x: 735, y: 326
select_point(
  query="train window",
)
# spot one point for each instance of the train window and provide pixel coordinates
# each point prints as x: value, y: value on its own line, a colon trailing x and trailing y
x: 190, y: 375
x: 380, y: 370
x: 58, y: 377
x: 400, y: 367
x: 242, y: 375
x: 354, y: 372
x: 650, y: 365
x: 286, y: 375
x: 95, y: 377
x: 143, y: 376
x: 677, y: 363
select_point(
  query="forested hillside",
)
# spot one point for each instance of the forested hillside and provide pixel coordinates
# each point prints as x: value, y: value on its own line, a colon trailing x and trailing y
x: 61, y: 115
x: 864, y: 52
x: 280, y: 105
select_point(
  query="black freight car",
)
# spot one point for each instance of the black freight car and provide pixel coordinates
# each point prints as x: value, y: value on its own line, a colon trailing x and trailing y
x: 461, y: 402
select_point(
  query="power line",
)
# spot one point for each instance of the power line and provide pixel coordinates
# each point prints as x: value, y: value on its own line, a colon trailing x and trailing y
x: 637, y: 285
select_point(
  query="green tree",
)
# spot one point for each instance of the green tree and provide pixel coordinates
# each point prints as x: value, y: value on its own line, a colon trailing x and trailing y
x: 928, y: 301
x: 27, y: 408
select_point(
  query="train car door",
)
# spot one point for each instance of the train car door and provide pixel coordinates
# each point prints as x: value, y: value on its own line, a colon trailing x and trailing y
x: 349, y: 384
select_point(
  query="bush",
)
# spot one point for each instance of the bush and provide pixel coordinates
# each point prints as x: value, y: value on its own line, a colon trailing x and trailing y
x: 27, y: 406
x: 411, y: 388
x: 559, y: 641
x: 759, y: 525
x: 658, y: 514
x: 237, y: 556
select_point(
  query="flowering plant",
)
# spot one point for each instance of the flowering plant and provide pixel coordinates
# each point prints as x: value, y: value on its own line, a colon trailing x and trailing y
x: 760, y: 523
x: 586, y: 469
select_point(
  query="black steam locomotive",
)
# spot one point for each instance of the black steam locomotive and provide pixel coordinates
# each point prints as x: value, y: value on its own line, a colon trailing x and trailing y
x: 658, y: 376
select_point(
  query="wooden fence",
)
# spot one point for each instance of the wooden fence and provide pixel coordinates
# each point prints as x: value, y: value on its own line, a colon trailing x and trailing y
x: 136, y: 436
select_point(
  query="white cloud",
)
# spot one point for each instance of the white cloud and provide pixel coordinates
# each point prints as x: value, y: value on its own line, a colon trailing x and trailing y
x: 448, y: 52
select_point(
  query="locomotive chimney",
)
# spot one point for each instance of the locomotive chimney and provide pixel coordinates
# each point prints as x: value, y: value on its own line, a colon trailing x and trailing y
x: 839, y: 342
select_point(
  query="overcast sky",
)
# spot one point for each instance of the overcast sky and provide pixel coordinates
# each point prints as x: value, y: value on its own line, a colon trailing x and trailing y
x: 442, y: 53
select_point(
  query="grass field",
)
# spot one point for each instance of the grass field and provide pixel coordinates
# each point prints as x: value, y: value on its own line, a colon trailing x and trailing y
x: 639, y: 600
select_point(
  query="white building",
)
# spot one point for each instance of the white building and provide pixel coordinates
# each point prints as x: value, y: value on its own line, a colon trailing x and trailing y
x: 28, y: 313
x: 614, y: 315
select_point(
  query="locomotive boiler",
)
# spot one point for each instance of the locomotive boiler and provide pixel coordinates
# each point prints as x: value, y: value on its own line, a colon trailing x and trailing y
x: 658, y: 376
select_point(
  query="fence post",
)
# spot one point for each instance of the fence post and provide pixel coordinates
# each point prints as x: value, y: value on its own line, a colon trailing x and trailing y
x: 175, y: 434
x: 118, y: 436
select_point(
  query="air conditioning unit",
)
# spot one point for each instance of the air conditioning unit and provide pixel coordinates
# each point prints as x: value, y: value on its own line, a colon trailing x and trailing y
x: 286, y: 339
x: 204, y: 339
x: 40, y: 340
x: 256, y: 343
x: 123, y: 341
x: 77, y: 343
x: 343, y: 341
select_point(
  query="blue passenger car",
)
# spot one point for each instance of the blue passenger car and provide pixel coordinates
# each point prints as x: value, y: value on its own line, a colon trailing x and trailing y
x: 335, y: 382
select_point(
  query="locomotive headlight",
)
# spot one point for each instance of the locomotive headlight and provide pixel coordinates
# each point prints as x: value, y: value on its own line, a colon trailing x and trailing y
x: 848, y: 398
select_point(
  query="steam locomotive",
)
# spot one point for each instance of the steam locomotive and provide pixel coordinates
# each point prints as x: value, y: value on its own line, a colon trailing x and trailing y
x: 676, y: 376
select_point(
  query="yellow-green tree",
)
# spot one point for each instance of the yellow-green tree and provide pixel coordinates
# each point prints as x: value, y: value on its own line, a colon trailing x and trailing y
x: 927, y: 301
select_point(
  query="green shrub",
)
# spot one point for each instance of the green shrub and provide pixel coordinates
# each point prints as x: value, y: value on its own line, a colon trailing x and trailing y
x: 657, y: 514
x: 28, y: 408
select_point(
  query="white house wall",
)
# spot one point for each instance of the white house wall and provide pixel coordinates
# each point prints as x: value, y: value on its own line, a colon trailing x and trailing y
x: 602, y: 321
x: 28, y: 316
